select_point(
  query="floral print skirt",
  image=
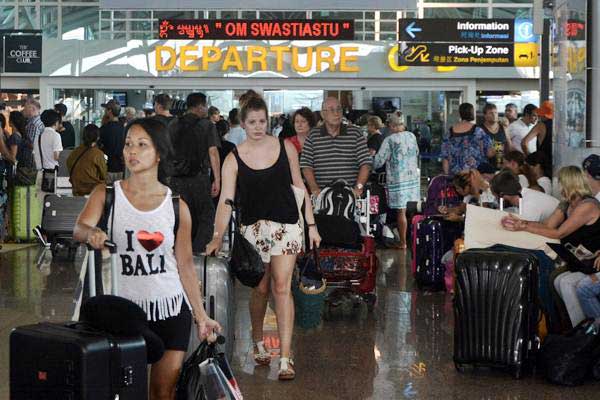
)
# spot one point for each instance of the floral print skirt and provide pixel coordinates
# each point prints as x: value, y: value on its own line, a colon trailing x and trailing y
x: 274, y: 238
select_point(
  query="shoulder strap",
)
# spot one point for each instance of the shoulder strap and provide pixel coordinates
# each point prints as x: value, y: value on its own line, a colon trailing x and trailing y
x: 75, y: 163
x: 109, y: 205
x: 40, y: 148
x: 175, y: 198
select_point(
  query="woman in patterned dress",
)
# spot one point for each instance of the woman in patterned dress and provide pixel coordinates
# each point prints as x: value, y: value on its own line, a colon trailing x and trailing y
x: 400, y: 153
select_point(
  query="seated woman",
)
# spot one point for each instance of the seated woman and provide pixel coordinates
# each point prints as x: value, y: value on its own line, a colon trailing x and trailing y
x: 535, y: 171
x: 575, y: 221
x: 475, y: 190
x: 86, y: 164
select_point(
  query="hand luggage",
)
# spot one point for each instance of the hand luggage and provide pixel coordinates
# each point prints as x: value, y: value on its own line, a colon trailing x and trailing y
x: 337, y: 199
x: 495, y: 309
x: 59, y: 216
x: 72, y: 360
x: 219, y: 299
x: 415, y: 221
x: 25, y: 212
x: 434, y: 238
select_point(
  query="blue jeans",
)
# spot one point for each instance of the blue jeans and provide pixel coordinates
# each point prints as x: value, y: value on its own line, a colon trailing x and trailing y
x: 587, y: 293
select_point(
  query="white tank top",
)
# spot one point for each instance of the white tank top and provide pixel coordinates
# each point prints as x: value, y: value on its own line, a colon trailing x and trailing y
x: 147, y: 267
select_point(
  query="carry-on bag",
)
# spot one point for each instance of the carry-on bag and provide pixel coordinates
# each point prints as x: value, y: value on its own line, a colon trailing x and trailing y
x: 435, y: 236
x: 496, y: 310
x: 218, y: 291
x: 80, y: 360
x: 25, y: 212
x: 440, y: 192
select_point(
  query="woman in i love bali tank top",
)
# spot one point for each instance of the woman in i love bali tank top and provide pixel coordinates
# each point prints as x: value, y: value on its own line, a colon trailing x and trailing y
x: 155, y: 263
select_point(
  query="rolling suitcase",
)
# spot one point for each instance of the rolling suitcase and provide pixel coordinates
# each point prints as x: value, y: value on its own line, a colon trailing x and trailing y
x: 25, y: 212
x: 495, y: 309
x: 434, y: 238
x: 59, y: 216
x: 70, y: 360
x: 219, y: 300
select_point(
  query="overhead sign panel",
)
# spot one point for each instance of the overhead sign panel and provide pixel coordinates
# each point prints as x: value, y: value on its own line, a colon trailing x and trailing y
x: 201, y: 29
x: 22, y: 53
x: 280, y: 5
x: 456, y: 30
x: 469, y: 54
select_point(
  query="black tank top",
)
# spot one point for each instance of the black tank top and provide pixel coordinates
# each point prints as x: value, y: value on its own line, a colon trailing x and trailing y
x: 266, y: 193
x: 587, y: 235
x: 499, y: 142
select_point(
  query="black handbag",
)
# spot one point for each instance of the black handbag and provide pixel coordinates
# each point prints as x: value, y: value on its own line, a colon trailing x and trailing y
x: 568, y: 359
x: 246, y: 263
x: 48, y: 175
x: 25, y: 175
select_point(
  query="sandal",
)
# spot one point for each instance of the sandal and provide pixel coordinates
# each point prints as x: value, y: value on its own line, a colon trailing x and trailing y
x: 261, y: 355
x: 286, y: 369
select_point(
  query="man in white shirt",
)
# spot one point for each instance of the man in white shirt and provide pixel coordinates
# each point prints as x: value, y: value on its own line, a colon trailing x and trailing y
x: 535, y: 206
x: 591, y: 166
x: 48, y: 142
x: 521, y: 127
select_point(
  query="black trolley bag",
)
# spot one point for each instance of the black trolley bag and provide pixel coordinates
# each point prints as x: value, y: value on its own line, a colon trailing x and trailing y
x: 74, y: 361
x: 496, y: 310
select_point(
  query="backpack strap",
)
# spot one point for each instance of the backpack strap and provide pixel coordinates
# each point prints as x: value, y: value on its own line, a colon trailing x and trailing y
x: 109, y: 205
x: 175, y: 198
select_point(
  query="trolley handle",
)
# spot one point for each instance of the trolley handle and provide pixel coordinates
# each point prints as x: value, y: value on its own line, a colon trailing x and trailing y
x: 111, y: 246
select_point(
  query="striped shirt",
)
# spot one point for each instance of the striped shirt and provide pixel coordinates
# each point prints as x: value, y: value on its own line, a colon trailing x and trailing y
x: 33, y: 130
x: 338, y: 157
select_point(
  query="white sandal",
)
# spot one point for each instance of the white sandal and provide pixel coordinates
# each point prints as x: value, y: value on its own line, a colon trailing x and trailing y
x: 261, y: 355
x: 286, y: 369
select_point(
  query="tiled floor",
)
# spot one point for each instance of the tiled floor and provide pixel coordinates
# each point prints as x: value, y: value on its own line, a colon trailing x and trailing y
x: 402, y: 350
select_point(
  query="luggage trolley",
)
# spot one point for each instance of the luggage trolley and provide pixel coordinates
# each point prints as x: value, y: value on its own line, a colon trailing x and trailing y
x: 354, y: 269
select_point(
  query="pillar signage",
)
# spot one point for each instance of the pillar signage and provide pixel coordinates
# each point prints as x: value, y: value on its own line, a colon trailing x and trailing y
x: 235, y: 29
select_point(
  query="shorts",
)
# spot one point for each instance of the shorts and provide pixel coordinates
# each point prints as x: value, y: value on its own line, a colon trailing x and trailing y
x: 174, y: 331
x: 274, y: 238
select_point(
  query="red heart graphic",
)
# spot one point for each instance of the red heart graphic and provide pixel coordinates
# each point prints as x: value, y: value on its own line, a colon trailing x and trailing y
x: 150, y: 241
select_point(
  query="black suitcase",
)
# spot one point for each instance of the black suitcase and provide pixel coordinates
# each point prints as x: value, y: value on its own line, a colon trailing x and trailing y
x: 496, y: 310
x: 69, y: 360
x: 59, y: 216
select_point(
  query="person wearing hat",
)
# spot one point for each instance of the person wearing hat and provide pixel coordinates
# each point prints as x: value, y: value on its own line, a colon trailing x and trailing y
x: 112, y: 140
x: 542, y: 132
x: 66, y: 130
x: 591, y: 167
x: 535, y: 206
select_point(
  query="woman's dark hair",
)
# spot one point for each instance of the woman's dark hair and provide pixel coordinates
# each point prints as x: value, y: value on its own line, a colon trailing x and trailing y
x: 222, y: 127
x: 90, y: 135
x: 159, y: 135
x: 462, y: 179
x: 253, y: 104
x: 50, y: 117
x: 307, y: 114
x: 2, y: 121
x: 466, y: 112
x: 234, y: 116
x: 536, y: 158
x: 18, y: 120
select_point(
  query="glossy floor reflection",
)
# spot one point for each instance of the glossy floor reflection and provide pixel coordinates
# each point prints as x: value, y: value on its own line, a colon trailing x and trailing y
x: 401, y: 351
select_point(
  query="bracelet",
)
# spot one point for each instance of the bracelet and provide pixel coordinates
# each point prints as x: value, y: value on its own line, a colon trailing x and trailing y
x: 309, y: 225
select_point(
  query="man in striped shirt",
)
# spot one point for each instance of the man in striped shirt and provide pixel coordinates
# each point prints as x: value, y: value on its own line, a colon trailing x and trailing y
x: 35, y: 126
x: 335, y: 151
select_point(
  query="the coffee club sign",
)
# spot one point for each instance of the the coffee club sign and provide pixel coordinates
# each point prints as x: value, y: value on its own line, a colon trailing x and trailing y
x: 253, y: 58
x: 21, y: 53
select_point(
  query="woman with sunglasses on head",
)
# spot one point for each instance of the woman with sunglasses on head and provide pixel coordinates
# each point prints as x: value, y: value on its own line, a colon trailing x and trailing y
x: 156, y: 264
x: 263, y: 169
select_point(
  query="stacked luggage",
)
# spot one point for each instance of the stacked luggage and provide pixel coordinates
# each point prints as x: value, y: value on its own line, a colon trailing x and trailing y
x: 432, y: 236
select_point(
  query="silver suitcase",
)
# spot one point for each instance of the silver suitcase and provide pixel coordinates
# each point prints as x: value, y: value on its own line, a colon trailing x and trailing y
x: 219, y: 299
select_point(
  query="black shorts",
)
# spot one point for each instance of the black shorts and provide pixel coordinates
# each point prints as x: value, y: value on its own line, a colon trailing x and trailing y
x: 174, y: 331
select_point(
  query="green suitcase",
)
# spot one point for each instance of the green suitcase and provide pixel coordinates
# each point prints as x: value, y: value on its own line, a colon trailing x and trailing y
x: 25, y: 213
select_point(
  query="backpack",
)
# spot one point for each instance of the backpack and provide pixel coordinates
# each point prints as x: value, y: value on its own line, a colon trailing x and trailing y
x: 440, y: 192
x: 337, y: 199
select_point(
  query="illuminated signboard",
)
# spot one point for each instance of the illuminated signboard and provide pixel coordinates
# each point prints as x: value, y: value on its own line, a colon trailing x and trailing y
x: 201, y: 29
x: 575, y: 30
x: 456, y: 30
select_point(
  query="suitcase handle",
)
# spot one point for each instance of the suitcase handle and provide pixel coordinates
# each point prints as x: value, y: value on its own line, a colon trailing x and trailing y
x: 112, y: 247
